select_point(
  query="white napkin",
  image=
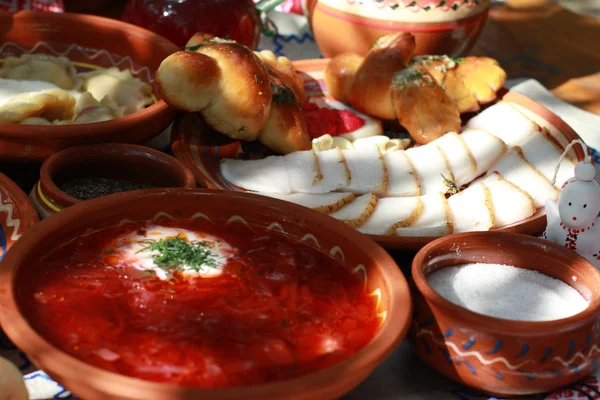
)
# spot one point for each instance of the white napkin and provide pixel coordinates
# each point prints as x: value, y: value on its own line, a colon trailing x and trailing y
x: 585, y: 124
x: 294, y: 39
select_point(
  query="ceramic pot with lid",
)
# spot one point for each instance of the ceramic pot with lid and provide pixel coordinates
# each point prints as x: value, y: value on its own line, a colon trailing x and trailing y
x: 440, y: 26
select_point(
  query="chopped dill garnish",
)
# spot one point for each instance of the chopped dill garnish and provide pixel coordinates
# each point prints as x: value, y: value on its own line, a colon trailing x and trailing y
x: 407, y: 76
x: 450, y: 62
x: 196, y: 46
x: 177, y: 253
x: 283, y: 95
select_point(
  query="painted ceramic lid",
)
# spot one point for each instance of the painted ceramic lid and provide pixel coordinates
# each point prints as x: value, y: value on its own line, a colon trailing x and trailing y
x: 409, y: 10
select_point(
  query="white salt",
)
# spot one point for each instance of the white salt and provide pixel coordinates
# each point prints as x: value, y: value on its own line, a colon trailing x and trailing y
x: 507, y: 292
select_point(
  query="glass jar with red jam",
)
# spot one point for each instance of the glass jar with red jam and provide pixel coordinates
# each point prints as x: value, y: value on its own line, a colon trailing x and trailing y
x: 179, y: 20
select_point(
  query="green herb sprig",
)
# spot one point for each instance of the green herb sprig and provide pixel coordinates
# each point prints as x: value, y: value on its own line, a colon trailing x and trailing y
x: 283, y: 95
x: 177, y: 252
x: 406, y: 77
x: 432, y: 58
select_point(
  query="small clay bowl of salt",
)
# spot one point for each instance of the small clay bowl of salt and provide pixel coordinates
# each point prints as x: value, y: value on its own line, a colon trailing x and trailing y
x: 505, y: 314
x: 86, y: 172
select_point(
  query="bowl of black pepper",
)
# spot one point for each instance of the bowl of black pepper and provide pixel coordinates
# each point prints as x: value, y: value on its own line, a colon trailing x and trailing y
x: 87, y: 172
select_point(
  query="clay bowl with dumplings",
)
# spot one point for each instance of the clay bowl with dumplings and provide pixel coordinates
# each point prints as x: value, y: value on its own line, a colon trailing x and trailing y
x: 449, y: 27
x: 498, y: 356
x: 96, y: 82
x: 252, y: 220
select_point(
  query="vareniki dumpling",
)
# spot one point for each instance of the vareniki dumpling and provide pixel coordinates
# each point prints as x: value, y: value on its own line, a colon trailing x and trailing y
x: 50, y: 104
x: 120, y: 86
x: 90, y: 110
x: 41, y: 67
x: 40, y: 89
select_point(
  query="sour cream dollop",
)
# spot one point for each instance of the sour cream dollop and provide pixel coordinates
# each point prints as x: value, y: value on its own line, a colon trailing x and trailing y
x: 135, y: 249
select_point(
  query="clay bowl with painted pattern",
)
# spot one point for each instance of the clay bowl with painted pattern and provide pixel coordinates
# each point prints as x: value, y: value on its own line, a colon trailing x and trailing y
x: 90, y: 42
x: 449, y: 27
x: 16, y: 214
x: 372, y: 268
x: 504, y: 357
x: 116, y: 161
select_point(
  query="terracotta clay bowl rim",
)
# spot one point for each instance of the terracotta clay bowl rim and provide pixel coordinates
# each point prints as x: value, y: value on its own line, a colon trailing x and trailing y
x: 347, y: 373
x: 499, y: 325
x: 27, y: 215
x: 116, y: 150
x: 89, y: 130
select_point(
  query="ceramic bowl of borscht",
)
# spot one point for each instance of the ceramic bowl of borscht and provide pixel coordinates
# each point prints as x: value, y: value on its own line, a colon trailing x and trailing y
x: 506, y: 314
x: 201, y: 294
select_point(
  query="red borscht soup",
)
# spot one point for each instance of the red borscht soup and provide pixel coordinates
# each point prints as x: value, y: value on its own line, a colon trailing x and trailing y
x: 199, y: 304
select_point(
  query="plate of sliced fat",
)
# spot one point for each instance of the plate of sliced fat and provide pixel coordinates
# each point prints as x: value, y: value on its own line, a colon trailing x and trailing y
x: 502, y: 163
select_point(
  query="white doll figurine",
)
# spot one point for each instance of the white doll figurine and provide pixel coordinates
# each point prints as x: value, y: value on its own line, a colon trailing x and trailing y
x: 574, y: 221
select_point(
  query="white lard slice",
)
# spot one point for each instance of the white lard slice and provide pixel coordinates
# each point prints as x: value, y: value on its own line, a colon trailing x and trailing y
x: 431, y: 166
x: 505, y: 122
x: 459, y: 157
x: 303, y: 170
x: 368, y: 173
x: 358, y: 211
x: 391, y: 212
x: 402, y: 176
x: 268, y: 175
x: 513, y: 167
x: 471, y: 210
x: 511, y: 204
x: 433, y: 219
x: 334, y: 170
x: 485, y: 148
x: 543, y: 154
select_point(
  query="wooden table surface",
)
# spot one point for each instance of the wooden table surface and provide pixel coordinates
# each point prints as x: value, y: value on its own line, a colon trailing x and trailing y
x: 530, y: 38
x: 559, y: 48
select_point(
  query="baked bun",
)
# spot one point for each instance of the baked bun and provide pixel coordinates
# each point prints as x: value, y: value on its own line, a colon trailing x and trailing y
x: 426, y: 94
x: 287, y: 73
x: 224, y: 81
x: 339, y: 75
x: 371, y: 91
x: 423, y: 107
x: 285, y: 131
x: 242, y: 94
x: 469, y: 81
